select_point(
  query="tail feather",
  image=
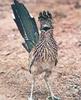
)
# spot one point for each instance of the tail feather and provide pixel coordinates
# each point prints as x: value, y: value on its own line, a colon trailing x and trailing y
x: 26, y: 25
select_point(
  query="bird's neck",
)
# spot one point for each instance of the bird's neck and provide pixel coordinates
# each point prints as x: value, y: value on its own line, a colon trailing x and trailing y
x: 46, y: 34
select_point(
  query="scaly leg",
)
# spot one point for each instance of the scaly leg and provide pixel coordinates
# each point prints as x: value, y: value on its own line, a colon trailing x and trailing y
x: 49, y: 88
x: 32, y: 87
x: 52, y: 97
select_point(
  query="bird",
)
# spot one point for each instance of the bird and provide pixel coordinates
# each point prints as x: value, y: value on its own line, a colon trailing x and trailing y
x: 41, y: 46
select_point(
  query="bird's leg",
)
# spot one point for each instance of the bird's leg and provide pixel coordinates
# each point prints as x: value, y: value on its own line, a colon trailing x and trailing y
x: 32, y: 87
x: 49, y: 88
x: 52, y: 97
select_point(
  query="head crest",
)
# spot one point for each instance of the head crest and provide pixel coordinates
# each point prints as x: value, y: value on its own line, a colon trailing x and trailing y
x: 45, y: 15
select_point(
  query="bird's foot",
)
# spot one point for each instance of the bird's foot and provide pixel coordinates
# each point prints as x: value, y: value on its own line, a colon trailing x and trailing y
x: 53, y: 98
x: 30, y: 98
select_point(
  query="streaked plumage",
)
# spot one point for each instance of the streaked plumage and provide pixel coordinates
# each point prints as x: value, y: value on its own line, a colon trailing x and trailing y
x: 43, y: 57
x: 42, y: 48
x: 44, y: 53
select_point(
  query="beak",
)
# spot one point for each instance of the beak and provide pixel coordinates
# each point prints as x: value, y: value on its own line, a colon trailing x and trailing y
x: 46, y: 27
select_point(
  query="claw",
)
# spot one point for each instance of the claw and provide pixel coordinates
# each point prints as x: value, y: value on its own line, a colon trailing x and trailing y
x: 30, y: 71
x: 54, y: 98
x: 30, y: 98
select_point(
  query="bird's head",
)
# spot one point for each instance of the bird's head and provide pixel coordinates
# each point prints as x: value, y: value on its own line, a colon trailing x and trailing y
x: 46, y: 20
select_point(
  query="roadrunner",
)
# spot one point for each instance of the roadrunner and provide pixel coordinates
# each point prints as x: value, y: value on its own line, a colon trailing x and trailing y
x: 41, y: 46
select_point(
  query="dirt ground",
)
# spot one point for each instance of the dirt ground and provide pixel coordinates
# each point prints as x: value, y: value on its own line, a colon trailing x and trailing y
x: 15, y: 81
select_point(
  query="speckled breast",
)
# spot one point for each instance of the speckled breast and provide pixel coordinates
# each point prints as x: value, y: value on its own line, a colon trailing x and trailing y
x: 46, y: 49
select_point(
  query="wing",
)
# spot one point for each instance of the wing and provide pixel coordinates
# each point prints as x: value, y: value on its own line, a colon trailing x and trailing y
x: 26, y: 25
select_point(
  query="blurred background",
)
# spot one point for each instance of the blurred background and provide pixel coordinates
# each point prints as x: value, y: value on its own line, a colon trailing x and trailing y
x: 15, y: 80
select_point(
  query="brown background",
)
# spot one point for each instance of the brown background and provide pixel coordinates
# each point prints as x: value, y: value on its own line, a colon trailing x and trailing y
x: 15, y: 80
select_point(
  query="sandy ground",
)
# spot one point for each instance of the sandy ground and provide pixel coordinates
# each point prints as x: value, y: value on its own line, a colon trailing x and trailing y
x: 15, y: 81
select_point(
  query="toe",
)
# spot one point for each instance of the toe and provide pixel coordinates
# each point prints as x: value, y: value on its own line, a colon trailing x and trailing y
x: 56, y: 98
x: 53, y: 98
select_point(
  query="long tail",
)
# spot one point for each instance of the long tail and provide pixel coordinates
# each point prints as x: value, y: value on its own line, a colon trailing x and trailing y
x: 26, y: 25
